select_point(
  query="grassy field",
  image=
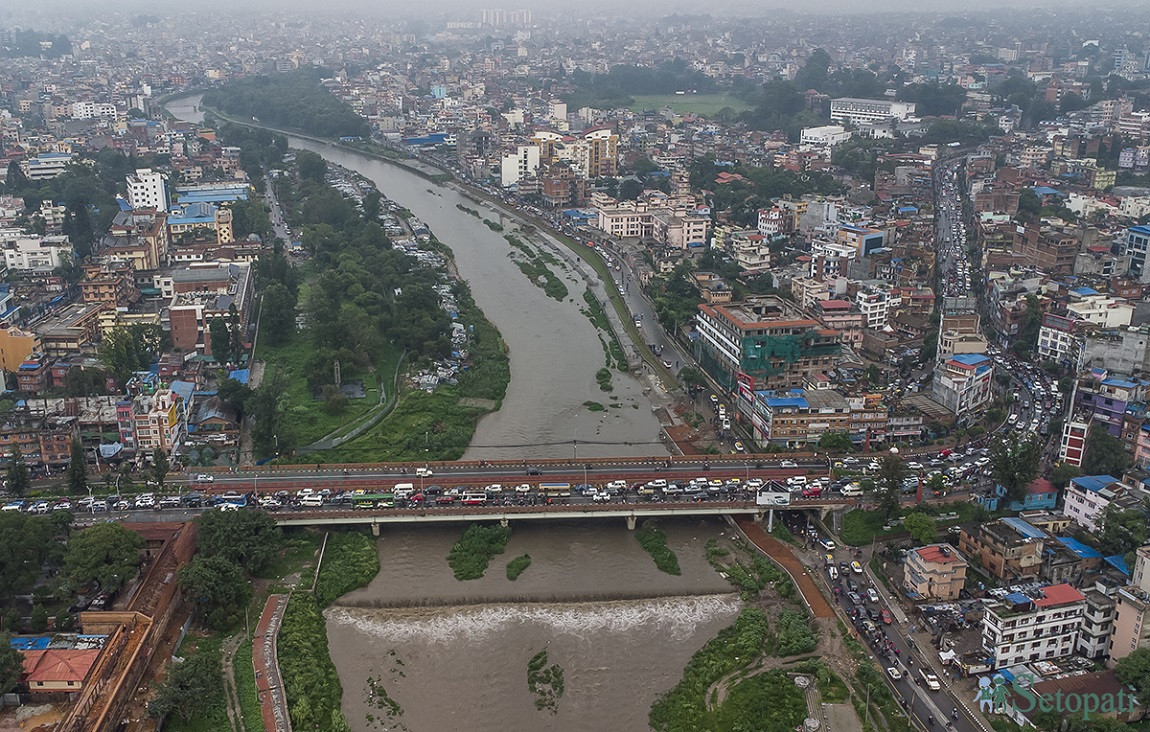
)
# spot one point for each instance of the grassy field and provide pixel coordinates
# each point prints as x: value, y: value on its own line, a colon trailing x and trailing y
x: 309, y: 420
x: 704, y: 104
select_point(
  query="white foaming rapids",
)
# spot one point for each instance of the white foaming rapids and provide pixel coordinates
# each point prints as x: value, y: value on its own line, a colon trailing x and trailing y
x: 675, y: 616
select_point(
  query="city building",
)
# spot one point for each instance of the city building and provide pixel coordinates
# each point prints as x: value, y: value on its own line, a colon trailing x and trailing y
x: 46, y: 165
x: 766, y: 339
x: 1087, y: 497
x: 148, y: 188
x: 1136, y: 246
x: 825, y: 136
x: 202, y: 292
x: 859, y: 111
x: 517, y: 165
x: 37, y: 254
x: 1009, y: 548
x: 934, y: 572
x: 1040, y: 626
x: 962, y: 384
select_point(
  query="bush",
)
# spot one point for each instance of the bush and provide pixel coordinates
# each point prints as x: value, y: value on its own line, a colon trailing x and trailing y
x: 517, y: 565
x: 683, y: 708
x: 654, y: 542
x: 349, y: 561
x: 309, y: 677
x: 794, y: 635
x: 470, y: 555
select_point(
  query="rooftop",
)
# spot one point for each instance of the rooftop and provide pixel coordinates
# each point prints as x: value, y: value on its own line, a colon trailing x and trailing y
x: 939, y: 554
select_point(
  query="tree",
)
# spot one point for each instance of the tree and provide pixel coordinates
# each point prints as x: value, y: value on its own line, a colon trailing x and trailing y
x: 17, y: 182
x: 77, y: 474
x: 921, y: 528
x: 221, y: 340
x: 248, y: 538
x: 1105, y: 454
x: 28, y: 546
x: 125, y: 350
x: 1063, y: 473
x: 234, y: 393
x: 311, y: 166
x: 160, y: 467
x: 277, y: 313
x: 11, y: 664
x: 17, y: 477
x: 1014, y: 462
x: 630, y: 189
x: 105, y: 554
x: 190, y: 688
x: 39, y: 619
x: 1134, y: 670
x: 937, y: 484
x: 888, y: 485
x: 1122, y: 530
x: 835, y: 442
x: 218, y: 587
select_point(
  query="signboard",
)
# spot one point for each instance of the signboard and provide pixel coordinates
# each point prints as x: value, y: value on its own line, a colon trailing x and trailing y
x: 746, y: 387
x: 769, y: 498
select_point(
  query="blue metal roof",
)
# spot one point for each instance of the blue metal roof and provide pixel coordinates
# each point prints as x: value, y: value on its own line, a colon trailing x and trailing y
x: 970, y: 359
x: 1093, y: 483
x: 1117, y: 561
x: 1120, y: 383
x: 1084, y: 291
x: 1017, y: 598
x: 1083, y: 551
x: 1024, y: 528
x: 783, y: 402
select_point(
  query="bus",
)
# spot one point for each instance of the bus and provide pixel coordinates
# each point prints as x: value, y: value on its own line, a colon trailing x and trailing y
x: 555, y: 490
x: 373, y: 500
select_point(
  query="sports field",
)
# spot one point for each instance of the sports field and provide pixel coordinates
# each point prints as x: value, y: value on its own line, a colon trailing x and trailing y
x: 704, y: 104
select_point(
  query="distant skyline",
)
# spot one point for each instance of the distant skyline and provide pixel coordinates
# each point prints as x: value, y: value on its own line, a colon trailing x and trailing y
x: 73, y: 9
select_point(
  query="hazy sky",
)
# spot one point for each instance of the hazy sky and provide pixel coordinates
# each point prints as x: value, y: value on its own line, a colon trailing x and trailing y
x: 468, y: 8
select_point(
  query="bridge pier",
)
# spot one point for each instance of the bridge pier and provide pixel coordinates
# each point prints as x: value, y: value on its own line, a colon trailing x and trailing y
x: 375, y: 529
x: 770, y: 521
x: 631, y: 522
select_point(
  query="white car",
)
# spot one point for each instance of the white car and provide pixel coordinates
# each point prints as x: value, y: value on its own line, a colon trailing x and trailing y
x: 423, y: 472
x: 755, y: 483
x: 894, y: 673
x: 931, y: 680
x: 523, y: 488
x: 788, y: 464
x: 205, y: 478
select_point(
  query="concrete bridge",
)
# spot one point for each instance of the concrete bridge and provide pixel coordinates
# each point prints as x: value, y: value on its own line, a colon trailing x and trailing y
x: 630, y: 512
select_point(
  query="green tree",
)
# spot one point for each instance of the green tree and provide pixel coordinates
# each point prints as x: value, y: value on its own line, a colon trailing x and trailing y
x: 77, y: 474
x: 248, y: 538
x: 191, y: 687
x: 11, y: 664
x: 234, y: 393
x: 106, y: 554
x: 1063, y: 473
x: 125, y: 350
x: 888, y: 483
x: 311, y: 166
x: 937, y: 484
x: 1134, y: 670
x: 160, y: 467
x: 29, y: 545
x: 1014, y: 462
x: 1105, y: 454
x: 921, y: 527
x: 39, y: 619
x: 277, y: 314
x: 218, y: 587
x: 221, y: 340
x: 1122, y: 530
x: 835, y: 442
x: 17, y: 479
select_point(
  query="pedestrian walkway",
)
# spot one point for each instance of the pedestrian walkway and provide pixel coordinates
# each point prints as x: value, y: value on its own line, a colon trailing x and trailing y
x: 269, y: 686
x: 785, y: 557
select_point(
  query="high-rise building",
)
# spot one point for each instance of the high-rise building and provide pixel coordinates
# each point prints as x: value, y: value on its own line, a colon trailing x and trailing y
x: 148, y: 188
x: 1137, y: 244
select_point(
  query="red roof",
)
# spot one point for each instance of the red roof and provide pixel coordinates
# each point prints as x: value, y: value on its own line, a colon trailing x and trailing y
x: 935, y: 555
x: 1041, y: 485
x: 55, y: 666
x: 1062, y: 594
x: 834, y: 305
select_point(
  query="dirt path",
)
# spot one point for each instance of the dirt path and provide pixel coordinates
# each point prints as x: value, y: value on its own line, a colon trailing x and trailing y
x: 719, y: 690
x: 785, y: 557
x: 235, y: 713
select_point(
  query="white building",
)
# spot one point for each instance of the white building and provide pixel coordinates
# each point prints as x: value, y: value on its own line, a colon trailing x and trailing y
x: 148, y: 189
x: 523, y: 163
x: 1087, y: 497
x: 825, y: 136
x: 1107, y: 312
x: 876, y: 305
x: 39, y: 254
x: 46, y: 165
x: 962, y: 383
x: 1026, y: 628
x: 93, y: 110
x: 860, y: 111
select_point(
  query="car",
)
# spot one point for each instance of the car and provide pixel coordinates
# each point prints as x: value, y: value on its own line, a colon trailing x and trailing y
x: 205, y: 478
x: 494, y: 488
x: 788, y: 464
x: 798, y: 481
x: 894, y: 673
x: 601, y: 497
x: 887, y: 618
x: 850, y: 460
x: 854, y: 598
x: 827, y: 544
x: 852, y: 585
x: 833, y: 573
x: 617, y: 486
x: 228, y: 507
x: 726, y: 425
x: 930, y: 680
x: 423, y: 472
x: 872, y: 594
x: 170, y: 502
x: 714, y: 399
x: 667, y: 364
x: 445, y: 500
x: 523, y: 488
x: 856, y: 567
x: 914, y: 466
x: 755, y: 483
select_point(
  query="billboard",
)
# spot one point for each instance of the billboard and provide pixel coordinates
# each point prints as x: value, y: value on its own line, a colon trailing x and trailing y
x: 771, y: 498
x: 746, y: 387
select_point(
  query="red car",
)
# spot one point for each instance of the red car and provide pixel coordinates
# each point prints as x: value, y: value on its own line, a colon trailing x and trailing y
x: 445, y: 500
x: 812, y: 492
x: 886, y: 617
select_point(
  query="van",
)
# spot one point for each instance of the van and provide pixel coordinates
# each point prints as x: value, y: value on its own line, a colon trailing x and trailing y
x: 474, y: 499
x: 827, y: 544
x: 833, y: 572
x: 423, y: 472
x: 854, y: 490
x: 313, y: 500
x: 409, y: 487
x: 797, y: 481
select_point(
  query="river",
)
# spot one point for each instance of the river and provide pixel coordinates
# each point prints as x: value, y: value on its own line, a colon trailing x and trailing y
x: 555, y: 351
x: 453, y: 655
